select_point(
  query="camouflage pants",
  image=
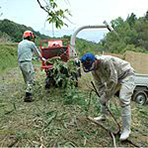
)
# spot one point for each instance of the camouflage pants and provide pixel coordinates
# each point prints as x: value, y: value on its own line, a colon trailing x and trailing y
x: 28, y: 75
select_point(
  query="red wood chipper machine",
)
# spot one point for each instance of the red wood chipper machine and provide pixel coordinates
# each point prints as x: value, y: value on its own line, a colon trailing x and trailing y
x: 55, y: 49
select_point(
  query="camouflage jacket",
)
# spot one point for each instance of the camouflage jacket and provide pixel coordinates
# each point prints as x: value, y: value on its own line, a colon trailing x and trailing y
x: 109, y: 72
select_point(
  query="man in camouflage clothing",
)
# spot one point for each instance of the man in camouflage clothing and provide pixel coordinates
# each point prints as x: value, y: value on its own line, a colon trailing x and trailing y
x: 109, y: 73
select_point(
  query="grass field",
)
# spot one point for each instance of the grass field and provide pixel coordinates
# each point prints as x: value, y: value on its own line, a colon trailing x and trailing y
x: 58, y: 118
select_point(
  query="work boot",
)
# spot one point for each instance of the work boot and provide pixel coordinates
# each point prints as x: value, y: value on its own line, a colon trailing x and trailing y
x: 28, y: 97
x: 125, y: 134
x: 100, y: 118
x: 126, y: 123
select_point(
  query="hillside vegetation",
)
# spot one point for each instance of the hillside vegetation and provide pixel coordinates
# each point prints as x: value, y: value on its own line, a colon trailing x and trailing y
x: 13, y: 31
x: 8, y: 56
x: 130, y: 34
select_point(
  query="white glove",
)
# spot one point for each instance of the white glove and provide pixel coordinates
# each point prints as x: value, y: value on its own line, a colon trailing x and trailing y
x: 104, y: 110
x: 103, y: 99
x: 43, y: 59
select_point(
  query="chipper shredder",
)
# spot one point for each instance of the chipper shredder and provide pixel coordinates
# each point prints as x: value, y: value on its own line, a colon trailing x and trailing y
x: 56, y: 49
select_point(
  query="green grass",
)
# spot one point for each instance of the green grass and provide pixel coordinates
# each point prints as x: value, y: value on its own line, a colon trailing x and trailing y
x: 8, y: 56
x: 57, y: 117
x: 50, y: 121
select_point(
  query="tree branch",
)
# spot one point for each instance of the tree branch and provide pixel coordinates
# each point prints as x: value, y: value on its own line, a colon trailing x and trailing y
x: 41, y: 6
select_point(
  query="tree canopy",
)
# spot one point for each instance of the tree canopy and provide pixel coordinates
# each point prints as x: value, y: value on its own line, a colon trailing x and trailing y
x: 131, y: 34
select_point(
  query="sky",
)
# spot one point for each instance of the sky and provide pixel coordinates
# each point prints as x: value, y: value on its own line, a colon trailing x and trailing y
x: 84, y: 12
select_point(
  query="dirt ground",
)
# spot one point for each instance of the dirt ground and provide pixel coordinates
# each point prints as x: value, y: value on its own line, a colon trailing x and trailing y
x: 139, y: 61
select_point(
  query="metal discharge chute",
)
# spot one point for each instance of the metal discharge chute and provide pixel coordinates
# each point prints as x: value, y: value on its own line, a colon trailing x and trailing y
x: 73, y: 53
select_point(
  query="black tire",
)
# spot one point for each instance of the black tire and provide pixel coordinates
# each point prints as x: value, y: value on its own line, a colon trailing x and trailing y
x: 140, y: 97
x: 49, y: 82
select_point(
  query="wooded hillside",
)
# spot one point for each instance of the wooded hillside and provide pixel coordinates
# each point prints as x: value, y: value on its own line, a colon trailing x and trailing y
x: 130, y: 34
x: 12, y: 31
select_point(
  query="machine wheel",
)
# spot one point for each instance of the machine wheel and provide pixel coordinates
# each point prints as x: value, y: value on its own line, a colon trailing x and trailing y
x: 140, y: 97
x: 49, y: 82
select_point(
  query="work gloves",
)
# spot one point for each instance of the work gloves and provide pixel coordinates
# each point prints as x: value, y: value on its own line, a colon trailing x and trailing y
x: 104, y: 110
x: 43, y: 59
x: 103, y: 99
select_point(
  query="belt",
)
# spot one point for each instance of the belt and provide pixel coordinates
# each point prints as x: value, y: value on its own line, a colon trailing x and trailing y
x: 23, y: 61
